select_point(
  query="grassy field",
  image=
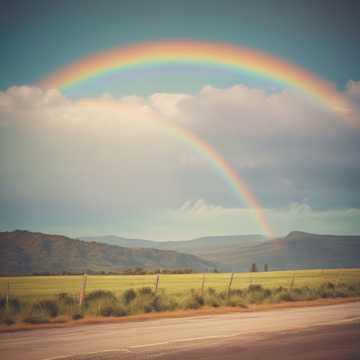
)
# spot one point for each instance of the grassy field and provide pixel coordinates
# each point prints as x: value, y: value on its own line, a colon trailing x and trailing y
x: 47, y: 286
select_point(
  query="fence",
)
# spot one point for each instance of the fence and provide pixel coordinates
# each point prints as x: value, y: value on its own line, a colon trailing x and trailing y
x: 43, y: 286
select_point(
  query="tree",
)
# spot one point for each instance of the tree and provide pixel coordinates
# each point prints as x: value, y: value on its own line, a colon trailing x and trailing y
x: 253, y: 267
x: 266, y: 267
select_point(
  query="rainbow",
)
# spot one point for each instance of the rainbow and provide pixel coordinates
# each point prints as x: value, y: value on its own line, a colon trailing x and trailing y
x: 197, y: 53
x: 221, y: 166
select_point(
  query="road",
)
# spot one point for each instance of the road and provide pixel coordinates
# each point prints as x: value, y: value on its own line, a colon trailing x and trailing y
x: 326, y: 332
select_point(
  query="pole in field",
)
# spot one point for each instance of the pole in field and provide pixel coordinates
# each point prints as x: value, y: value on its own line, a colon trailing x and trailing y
x: 339, y: 278
x: 82, y: 290
x: 230, y: 283
x: 292, y: 283
x: 157, y: 282
x: 203, y: 285
x: 7, y: 294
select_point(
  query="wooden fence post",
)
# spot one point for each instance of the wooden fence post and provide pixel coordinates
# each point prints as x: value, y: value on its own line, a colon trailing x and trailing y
x: 230, y: 283
x: 203, y: 285
x: 7, y: 295
x: 337, y: 282
x: 292, y: 281
x: 82, y: 290
x: 157, y: 282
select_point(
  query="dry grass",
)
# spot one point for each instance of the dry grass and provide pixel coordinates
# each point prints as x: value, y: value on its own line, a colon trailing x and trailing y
x: 64, y: 321
x: 43, y: 286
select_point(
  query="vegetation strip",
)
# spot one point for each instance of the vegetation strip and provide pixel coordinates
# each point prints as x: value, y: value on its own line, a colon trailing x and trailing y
x: 64, y: 307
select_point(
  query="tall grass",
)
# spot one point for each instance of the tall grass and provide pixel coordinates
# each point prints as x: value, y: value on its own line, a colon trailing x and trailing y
x: 145, y: 300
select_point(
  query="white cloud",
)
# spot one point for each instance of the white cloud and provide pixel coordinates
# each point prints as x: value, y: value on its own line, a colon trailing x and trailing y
x: 115, y: 157
x: 200, y: 218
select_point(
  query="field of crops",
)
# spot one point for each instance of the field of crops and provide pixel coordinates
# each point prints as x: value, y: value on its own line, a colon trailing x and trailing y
x: 47, y: 286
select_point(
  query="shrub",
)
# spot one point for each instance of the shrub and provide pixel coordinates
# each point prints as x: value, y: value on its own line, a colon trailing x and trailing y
x: 256, y: 294
x: 7, y: 320
x: 193, y: 301
x: 163, y: 303
x: 119, y: 311
x: 36, y: 319
x: 145, y: 291
x: 211, y: 291
x: 236, y: 302
x: 236, y: 292
x: 66, y: 299
x: 212, y: 301
x: 48, y: 307
x: 285, y: 296
x: 129, y: 295
x: 106, y: 311
x: 255, y: 288
x: 2, y: 302
x: 98, y: 295
x: 77, y: 316
x: 14, y: 304
x: 150, y: 302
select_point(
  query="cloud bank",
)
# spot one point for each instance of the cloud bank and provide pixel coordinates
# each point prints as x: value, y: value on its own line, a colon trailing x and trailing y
x: 115, y: 164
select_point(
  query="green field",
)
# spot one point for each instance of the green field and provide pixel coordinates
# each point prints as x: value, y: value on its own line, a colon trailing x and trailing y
x: 46, y: 286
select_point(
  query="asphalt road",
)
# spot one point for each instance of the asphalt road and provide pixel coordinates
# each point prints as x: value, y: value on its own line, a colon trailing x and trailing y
x: 327, y: 332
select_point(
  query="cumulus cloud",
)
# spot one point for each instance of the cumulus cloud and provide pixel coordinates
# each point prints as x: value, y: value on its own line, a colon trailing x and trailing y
x: 199, y: 218
x: 114, y: 160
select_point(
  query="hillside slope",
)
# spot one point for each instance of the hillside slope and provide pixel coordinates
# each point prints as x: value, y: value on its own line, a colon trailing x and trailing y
x: 296, y: 250
x: 203, y: 245
x: 24, y: 252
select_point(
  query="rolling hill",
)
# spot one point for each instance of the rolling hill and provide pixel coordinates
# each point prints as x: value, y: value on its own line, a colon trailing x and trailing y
x: 24, y: 252
x: 203, y: 245
x: 297, y: 250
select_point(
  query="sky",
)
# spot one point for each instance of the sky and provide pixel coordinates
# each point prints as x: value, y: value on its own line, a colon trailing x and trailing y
x: 112, y: 168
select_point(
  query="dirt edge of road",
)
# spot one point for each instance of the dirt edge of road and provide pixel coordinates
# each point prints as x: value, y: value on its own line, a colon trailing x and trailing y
x: 62, y: 322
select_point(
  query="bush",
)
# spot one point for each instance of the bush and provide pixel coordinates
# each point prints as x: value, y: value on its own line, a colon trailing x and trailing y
x: 106, y: 311
x: 163, y: 303
x: 7, y: 320
x: 66, y: 299
x: 14, y: 304
x: 255, y: 288
x: 48, y: 307
x: 236, y: 302
x: 119, y: 311
x: 77, y: 316
x: 98, y: 295
x: 212, y: 301
x: 285, y: 296
x: 36, y: 319
x: 193, y: 301
x: 145, y: 291
x: 256, y: 294
x: 2, y: 302
x: 129, y: 295
x: 211, y: 291
x: 113, y: 311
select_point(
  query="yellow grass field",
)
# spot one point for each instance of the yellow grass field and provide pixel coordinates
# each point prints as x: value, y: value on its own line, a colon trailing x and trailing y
x: 44, y: 286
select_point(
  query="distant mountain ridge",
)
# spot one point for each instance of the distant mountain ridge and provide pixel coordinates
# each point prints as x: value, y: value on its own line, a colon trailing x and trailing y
x: 25, y: 252
x: 210, y: 243
x: 298, y: 250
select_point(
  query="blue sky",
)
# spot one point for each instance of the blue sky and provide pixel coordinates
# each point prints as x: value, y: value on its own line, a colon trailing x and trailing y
x: 93, y: 171
x: 321, y: 36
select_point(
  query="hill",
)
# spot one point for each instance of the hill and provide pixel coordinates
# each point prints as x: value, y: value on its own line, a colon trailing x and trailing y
x: 24, y: 252
x: 203, y: 245
x: 298, y: 250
